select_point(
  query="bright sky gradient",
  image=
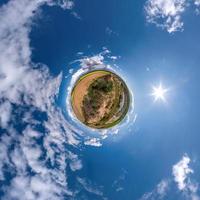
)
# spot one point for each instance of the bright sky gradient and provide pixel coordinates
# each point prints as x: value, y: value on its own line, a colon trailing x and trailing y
x: 45, y: 153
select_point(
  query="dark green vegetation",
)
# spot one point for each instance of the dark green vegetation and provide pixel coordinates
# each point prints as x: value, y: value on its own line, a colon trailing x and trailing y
x: 106, y: 102
x: 100, y: 99
x: 98, y: 91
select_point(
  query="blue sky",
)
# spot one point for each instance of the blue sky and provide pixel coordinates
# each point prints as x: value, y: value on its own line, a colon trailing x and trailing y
x: 45, y: 153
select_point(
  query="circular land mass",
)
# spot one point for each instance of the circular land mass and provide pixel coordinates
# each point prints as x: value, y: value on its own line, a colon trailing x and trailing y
x: 100, y: 99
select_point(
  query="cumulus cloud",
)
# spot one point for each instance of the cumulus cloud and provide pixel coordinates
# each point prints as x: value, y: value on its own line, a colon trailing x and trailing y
x: 166, y: 13
x: 34, y: 133
x: 186, y: 184
x: 181, y: 170
x: 182, y: 176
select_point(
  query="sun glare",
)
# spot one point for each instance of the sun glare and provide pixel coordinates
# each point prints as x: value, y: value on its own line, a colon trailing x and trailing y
x: 159, y: 93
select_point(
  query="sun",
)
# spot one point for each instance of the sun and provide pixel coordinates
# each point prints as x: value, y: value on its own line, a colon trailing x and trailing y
x: 159, y: 93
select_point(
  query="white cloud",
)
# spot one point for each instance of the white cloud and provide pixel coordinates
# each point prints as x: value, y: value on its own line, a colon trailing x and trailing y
x: 197, y: 2
x: 186, y: 184
x: 88, y: 63
x: 162, y: 188
x: 90, y: 187
x: 166, y: 13
x: 93, y: 142
x: 4, y: 144
x: 92, y: 62
x: 75, y: 163
x: 31, y: 188
x: 35, y: 150
x: 5, y: 110
x: 197, y: 5
x: 118, y: 184
x: 27, y: 88
x: 181, y: 171
x: 110, y: 32
x: 182, y: 176
x: 64, y: 4
x: 159, y: 192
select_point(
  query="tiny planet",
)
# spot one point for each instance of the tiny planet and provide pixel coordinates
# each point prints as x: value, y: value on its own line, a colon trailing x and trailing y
x: 100, y: 99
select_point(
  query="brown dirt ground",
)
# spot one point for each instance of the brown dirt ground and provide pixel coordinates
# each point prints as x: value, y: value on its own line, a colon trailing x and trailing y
x: 80, y: 90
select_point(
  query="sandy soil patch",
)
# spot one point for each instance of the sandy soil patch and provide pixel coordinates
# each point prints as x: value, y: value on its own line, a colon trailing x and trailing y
x: 80, y: 89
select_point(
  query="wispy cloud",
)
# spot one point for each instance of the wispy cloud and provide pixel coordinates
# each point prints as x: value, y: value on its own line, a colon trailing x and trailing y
x: 64, y: 4
x: 166, y: 13
x: 118, y: 184
x: 33, y: 149
x: 90, y: 187
x: 96, y: 142
x: 111, y: 32
x: 159, y: 192
x: 75, y: 162
x: 187, y: 186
